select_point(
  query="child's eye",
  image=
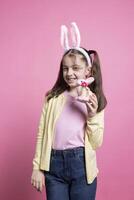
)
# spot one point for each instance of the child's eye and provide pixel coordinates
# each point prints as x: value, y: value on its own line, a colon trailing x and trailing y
x: 76, y: 68
x: 64, y: 68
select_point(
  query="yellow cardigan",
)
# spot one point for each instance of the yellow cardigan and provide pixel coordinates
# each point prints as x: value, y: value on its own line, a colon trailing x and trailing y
x: 93, y: 136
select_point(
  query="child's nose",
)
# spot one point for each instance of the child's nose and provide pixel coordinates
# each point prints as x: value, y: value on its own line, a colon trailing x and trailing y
x: 70, y: 71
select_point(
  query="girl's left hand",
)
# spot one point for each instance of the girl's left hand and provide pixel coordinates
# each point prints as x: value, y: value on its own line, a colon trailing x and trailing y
x: 85, y: 95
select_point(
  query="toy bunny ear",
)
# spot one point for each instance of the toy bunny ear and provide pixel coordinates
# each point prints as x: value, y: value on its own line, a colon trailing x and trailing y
x: 90, y: 80
x: 64, y: 38
x: 75, y: 33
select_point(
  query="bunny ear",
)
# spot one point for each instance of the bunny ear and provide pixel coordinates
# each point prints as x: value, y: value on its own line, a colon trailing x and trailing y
x: 90, y: 80
x: 64, y: 37
x: 75, y: 35
x: 76, y: 39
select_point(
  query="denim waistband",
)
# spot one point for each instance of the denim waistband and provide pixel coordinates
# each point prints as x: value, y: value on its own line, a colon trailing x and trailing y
x: 69, y: 151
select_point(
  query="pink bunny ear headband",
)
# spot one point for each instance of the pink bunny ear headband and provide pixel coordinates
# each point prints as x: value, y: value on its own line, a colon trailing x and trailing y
x: 76, y: 39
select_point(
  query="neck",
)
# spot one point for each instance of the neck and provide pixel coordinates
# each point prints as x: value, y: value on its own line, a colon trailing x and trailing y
x: 73, y: 91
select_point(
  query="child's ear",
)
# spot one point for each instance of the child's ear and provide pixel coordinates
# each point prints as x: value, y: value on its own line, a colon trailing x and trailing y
x: 88, y: 72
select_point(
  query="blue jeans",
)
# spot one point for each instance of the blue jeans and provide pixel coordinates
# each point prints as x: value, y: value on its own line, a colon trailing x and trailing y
x: 66, y: 179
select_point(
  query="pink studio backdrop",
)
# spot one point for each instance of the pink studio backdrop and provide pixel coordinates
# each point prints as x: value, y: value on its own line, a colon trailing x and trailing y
x: 30, y: 54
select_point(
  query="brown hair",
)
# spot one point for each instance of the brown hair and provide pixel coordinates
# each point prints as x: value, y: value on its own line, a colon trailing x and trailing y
x: 96, y: 87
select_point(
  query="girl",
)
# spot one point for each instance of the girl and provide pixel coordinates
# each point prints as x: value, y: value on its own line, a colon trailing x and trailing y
x: 71, y: 127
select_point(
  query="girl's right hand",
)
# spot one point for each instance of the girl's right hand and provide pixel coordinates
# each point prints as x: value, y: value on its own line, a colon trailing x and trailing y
x: 38, y: 180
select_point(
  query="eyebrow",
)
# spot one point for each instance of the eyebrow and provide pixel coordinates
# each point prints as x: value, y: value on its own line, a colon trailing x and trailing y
x: 71, y: 66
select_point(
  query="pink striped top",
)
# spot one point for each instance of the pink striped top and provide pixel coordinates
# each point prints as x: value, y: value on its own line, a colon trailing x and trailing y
x: 70, y: 126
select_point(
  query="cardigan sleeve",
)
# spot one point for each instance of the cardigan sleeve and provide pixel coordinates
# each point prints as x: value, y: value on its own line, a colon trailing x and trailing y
x: 95, y: 129
x: 39, y: 136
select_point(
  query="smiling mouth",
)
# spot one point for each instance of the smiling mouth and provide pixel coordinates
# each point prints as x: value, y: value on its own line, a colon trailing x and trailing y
x: 71, y: 79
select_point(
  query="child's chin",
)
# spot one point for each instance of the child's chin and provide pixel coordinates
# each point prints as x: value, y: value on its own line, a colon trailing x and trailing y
x: 72, y: 84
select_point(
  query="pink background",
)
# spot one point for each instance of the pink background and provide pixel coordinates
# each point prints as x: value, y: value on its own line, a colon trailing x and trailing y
x: 30, y: 54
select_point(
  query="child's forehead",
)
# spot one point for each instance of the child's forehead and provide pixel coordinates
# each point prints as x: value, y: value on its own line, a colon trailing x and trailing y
x: 73, y: 60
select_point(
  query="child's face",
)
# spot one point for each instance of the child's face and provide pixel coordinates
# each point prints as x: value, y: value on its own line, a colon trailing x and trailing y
x: 74, y: 68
